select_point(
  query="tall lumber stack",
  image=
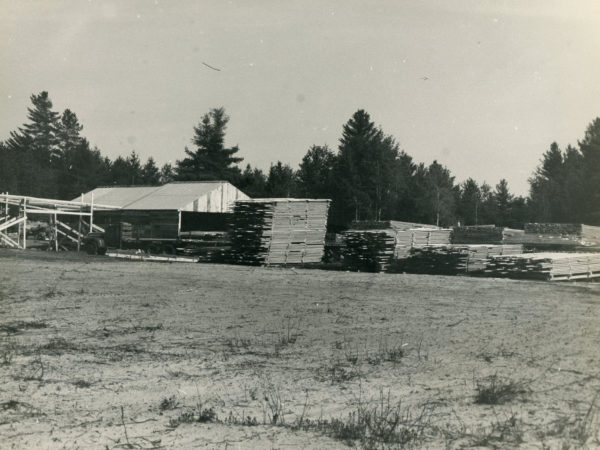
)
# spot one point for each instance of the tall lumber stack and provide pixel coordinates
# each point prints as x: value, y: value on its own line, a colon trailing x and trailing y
x: 368, y: 250
x: 278, y: 231
x: 546, y: 266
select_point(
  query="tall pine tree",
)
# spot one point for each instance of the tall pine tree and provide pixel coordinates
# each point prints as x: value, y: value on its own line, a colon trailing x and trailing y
x: 315, y: 176
x: 35, y: 145
x: 364, y: 172
x: 211, y: 160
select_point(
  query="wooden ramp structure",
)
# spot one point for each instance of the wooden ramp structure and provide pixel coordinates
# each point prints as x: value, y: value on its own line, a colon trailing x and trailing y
x: 17, y: 210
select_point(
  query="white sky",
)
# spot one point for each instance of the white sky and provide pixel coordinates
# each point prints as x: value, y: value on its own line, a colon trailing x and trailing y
x: 505, y: 78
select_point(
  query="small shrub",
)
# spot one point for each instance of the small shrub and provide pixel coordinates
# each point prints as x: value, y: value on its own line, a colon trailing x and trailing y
x: 495, y: 391
x: 338, y: 373
x: 352, y: 358
x: 244, y: 422
x: 184, y: 417
x: 197, y: 415
x: 15, y: 327
x: 287, y: 336
x: 52, y: 292
x: 207, y: 415
x: 11, y: 404
x: 253, y: 393
x: 82, y: 384
x: 36, y: 369
x: 8, y: 349
x: 149, y: 328
x: 168, y: 403
x: 237, y: 343
x: 386, y: 353
x: 58, y: 346
x: 273, y: 405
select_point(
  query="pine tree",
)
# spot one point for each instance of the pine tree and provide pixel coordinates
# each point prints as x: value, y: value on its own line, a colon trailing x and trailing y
x: 36, y: 148
x: 281, y: 181
x: 9, y: 170
x: 252, y: 182
x: 126, y: 171
x: 590, y: 151
x: 315, y: 176
x: 68, y: 131
x: 150, y: 173
x: 469, y: 202
x: 440, y: 194
x: 547, y: 187
x: 364, y: 172
x: 211, y: 160
x: 503, y: 203
x: 167, y: 174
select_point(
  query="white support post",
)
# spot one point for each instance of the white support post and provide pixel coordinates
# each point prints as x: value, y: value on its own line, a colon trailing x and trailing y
x: 25, y: 225
x: 92, y: 213
x: 19, y: 228
x: 79, y: 231
x: 55, y: 233
x: 179, y: 224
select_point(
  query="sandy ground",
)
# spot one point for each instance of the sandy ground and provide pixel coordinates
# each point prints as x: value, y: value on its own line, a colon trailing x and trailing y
x: 100, y: 353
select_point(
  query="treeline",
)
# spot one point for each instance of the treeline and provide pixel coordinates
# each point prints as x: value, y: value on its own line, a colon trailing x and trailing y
x: 368, y: 178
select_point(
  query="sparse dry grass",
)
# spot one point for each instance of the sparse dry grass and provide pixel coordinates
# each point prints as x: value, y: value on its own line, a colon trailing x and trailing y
x: 285, y: 358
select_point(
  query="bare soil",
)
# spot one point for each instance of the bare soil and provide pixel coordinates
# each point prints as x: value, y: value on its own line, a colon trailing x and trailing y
x: 101, y: 353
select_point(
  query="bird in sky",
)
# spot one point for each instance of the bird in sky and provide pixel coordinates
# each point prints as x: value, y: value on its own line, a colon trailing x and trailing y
x: 211, y: 67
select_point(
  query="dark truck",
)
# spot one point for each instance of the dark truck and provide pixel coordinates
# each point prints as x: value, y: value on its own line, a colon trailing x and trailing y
x: 94, y: 244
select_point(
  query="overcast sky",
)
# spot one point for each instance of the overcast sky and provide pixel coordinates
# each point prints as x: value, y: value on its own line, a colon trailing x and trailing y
x: 484, y: 87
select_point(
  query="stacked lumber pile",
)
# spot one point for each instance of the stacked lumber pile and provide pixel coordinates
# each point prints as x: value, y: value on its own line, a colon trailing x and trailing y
x: 419, y: 237
x: 546, y: 266
x: 452, y: 259
x: 434, y: 260
x: 278, y: 231
x: 561, y: 234
x: 404, y: 226
x: 403, y: 244
x: 512, y: 236
x: 439, y: 236
x: 206, y: 246
x: 480, y: 255
x: 486, y: 234
x: 369, y: 225
x: 368, y: 250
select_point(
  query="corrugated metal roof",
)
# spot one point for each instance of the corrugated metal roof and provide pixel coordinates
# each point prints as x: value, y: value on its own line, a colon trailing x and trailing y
x: 171, y: 196
x: 285, y: 199
x: 174, y: 195
x: 117, y: 196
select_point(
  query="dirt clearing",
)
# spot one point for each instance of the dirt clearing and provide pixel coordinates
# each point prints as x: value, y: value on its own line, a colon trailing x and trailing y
x: 99, y: 353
